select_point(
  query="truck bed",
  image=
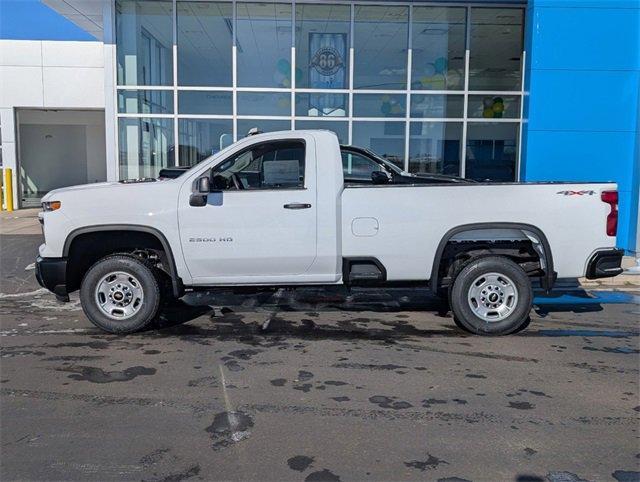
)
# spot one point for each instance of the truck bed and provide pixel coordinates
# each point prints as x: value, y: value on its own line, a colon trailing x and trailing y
x: 402, y: 226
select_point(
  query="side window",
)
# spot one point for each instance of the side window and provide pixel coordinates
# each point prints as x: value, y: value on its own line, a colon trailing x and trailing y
x: 271, y: 165
x: 358, y: 168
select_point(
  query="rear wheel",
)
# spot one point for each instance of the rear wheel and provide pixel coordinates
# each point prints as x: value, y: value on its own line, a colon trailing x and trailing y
x: 491, y: 296
x: 120, y: 294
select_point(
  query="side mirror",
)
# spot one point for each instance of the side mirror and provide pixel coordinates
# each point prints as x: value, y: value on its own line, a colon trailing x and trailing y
x: 203, y: 185
x: 199, y: 197
x: 380, y: 177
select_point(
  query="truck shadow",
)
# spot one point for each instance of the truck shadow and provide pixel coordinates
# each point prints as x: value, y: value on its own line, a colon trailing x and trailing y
x: 231, y: 326
x: 227, y: 315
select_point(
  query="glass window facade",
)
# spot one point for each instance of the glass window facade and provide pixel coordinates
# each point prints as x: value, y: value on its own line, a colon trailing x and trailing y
x: 434, y: 89
x: 263, y: 41
x: 144, y: 54
x: 438, y: 47
x: 496, y: 49
x: 205, y: 37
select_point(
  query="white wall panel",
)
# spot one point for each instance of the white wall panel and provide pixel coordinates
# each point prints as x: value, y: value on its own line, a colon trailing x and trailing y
x: 7, y: 122
x: 20, y: 52
x: 74, y: 87
x: 72, y: 54
x: 9, y: 160
x: 21, y: 86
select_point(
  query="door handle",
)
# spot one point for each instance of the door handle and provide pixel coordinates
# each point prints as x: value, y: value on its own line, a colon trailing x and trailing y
x: 297, y: 206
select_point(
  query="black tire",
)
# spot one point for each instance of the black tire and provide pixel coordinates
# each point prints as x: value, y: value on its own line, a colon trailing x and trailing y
x: 143, y: 272
x: 469, y: 320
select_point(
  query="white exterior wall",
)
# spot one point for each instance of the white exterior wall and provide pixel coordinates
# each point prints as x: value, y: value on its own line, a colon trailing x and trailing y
x: 46, y: 75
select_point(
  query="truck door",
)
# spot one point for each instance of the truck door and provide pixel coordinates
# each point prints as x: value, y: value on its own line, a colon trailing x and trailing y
x: 259, y: 222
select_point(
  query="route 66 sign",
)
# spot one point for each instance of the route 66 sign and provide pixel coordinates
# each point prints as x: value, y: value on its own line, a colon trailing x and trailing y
x: 327, y: 61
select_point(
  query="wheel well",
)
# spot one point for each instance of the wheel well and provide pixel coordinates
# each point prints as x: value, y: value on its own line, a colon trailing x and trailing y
x: 525, y: 244
x: 84, y: 249
x: 457, y: 253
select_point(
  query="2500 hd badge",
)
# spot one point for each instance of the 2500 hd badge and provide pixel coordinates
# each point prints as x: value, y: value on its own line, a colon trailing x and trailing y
x: 211, y: 240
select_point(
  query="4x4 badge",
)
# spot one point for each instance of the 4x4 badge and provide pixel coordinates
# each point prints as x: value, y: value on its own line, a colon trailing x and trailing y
x: 576, y: 193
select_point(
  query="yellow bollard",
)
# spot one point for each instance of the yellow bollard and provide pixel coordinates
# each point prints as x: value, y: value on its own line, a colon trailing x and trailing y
x: 8, y: 190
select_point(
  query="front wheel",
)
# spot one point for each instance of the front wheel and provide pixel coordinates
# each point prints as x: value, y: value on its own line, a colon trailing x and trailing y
x: 120, y: 294
x: 491, y: 296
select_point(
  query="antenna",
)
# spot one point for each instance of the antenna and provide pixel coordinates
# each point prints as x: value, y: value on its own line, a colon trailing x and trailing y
x: 253, y: 131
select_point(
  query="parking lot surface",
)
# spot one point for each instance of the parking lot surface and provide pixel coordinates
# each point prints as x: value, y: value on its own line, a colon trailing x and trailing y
x: 316, y: 385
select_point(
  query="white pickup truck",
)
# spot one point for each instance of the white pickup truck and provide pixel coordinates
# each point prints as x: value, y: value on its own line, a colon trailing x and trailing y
x: 289, y: 209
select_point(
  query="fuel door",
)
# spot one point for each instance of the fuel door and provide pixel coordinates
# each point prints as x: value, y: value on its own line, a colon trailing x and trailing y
x: 365, y: 227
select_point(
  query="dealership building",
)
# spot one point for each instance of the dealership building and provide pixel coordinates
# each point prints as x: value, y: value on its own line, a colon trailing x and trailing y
x: 504, y: 91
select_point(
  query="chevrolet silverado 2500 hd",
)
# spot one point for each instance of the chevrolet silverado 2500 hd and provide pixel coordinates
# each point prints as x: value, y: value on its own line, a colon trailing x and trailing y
x: 297, y: 209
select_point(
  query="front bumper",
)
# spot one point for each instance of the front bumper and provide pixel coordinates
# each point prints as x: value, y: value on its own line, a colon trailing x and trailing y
x: 605, y: 263
x: 51, y: 273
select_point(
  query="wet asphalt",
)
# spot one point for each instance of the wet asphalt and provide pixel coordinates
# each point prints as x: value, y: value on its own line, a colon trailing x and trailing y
x: 316, y: 385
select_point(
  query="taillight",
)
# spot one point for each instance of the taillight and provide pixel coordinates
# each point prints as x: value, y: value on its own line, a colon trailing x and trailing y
x: 611, y: 198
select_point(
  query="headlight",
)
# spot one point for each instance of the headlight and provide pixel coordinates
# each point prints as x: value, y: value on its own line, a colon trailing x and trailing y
x: 51, y: 205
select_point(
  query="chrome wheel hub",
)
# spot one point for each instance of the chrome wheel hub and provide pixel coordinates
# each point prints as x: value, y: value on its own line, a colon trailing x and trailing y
x: 492, y: 297
x: 119, y: 295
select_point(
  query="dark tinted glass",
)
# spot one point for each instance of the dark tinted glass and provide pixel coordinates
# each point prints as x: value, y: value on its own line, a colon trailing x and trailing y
x: 434, y: 147
x: 273, y: 165
x: 491, y: 151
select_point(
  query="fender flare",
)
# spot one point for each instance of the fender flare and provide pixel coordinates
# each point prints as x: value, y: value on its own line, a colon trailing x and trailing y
x: 547, y: 281
x: 176, y: 282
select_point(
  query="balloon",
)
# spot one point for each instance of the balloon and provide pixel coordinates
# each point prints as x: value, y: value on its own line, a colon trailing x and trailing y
x: 440, y: 65
x: 498, y: 107
x: 454, y: 79
x: 498, y: 100
x: 437, y: 82
x: 284, y: 67
x: 282, y: 103
x: 425, y: 81
x: 487, y: 113
x: 285, y: 82
x: 429, y: 70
